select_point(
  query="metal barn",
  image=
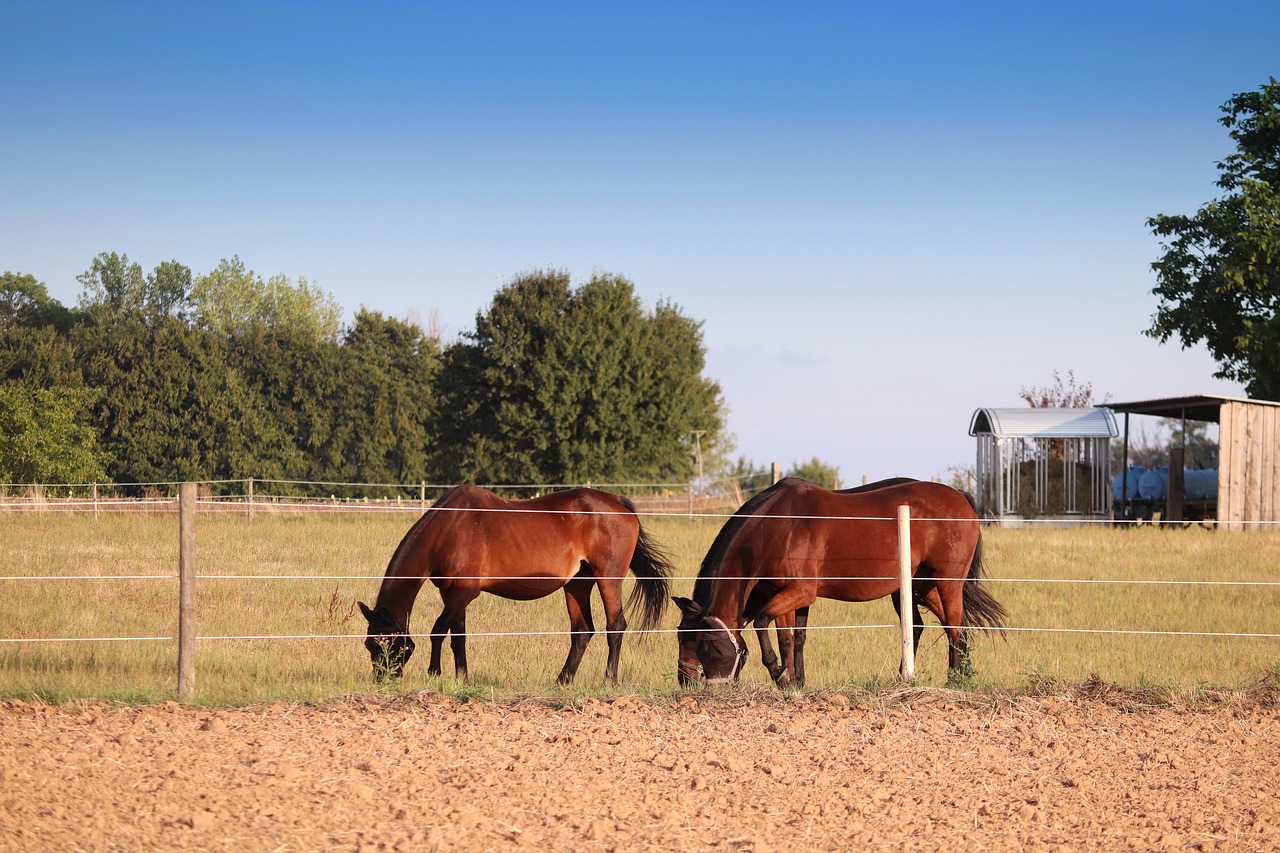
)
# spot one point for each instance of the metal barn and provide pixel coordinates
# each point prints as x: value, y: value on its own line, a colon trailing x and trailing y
x: 1248, y: 495
x: 1043, y: 463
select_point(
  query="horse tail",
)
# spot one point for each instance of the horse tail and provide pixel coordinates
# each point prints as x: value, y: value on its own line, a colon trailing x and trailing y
x: 653, y: 570
x: 981, y: 610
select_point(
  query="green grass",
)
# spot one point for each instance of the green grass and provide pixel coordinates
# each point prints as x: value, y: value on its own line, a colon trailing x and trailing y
x: 336, y: 559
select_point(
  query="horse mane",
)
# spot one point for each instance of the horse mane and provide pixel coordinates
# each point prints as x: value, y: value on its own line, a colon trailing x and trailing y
x: 412, y: 536
x: 711, y: 562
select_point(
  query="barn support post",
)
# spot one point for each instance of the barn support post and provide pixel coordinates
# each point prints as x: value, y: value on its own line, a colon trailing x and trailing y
x: 1177, y: 459
x: 906, y: 615
x: 186, y: 592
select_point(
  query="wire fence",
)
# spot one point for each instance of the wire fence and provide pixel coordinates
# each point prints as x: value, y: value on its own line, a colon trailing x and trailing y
x: 209, y: 504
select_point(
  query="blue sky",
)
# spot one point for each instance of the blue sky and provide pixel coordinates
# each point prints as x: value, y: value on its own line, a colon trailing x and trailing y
x: 886, y: 215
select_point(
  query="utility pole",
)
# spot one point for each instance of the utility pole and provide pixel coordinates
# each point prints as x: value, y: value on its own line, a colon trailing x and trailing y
x: 697, y: 449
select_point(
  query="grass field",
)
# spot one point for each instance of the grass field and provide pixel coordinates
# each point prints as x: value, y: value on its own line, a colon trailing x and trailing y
x: 1078, y: 601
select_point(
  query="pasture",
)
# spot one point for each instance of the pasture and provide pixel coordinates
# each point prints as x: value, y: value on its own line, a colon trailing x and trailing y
x: 278, y: 618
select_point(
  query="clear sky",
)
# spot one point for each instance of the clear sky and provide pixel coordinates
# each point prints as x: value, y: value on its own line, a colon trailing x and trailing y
x: 886, y: 215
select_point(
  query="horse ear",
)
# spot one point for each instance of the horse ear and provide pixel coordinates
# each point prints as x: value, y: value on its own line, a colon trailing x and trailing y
x: 687, y: 606
x: 364, y: 608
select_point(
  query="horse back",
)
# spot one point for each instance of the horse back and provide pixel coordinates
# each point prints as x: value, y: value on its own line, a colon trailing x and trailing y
x: 474, y: 529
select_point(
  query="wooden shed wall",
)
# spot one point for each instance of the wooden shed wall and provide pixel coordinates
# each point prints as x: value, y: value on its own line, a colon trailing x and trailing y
x: 1248, y: 465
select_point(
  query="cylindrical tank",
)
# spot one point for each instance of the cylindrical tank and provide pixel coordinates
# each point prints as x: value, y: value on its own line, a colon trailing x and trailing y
x: 1119, y: 484
x: 1154, y: 484
x: 1200, y: 484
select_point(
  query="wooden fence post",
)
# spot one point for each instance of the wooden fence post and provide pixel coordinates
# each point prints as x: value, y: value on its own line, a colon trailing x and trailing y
x: 250, y: 499
x: 906, y: 619
x: 186, y: 592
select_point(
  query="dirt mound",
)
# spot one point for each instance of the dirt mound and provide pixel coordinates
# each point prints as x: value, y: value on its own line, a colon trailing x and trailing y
x: 928, y: 771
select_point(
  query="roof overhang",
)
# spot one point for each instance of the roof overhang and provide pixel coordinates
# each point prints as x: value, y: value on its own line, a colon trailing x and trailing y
x: 1198, y: 407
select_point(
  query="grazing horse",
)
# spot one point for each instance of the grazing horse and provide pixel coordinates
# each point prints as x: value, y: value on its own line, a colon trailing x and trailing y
x: 796, y: 542
x: 767, y: 656
x: 473, y: 541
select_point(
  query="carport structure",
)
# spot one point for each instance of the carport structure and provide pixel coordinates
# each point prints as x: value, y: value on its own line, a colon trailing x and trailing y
x: 1043, y: 463
x: 1248, y: 452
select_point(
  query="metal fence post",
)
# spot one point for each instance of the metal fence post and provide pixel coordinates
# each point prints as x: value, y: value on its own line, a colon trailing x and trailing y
x: 906, y: 618
x: 186, y: 592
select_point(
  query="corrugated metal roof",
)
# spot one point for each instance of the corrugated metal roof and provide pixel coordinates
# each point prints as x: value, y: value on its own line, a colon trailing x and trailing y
x: 1027, y: 422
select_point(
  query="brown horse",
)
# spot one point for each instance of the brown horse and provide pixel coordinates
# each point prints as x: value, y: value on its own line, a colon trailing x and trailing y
x: 473, y: 541
x: 767, y: 655
x: 796, y: 542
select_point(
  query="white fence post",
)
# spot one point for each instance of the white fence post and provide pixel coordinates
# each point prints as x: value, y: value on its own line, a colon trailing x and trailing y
x: 186, y: 592
x: 906, y: 618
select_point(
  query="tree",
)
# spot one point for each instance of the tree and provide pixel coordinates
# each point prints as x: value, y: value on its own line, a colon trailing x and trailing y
x: 172, y: 405
x: 25, y: 302
x: 44, y: 438
x: 816, y: 471
x: 1218, y: 279
x: 1059, y: 395
x: 388, y: 369
x: 564, y: 385
x: 115, y: 285
x: 232, y: 299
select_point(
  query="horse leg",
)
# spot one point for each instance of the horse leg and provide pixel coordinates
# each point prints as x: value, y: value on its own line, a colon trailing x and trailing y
x: 949, y: 594
x: 767, y: 656
x: 802, y: 624
x: 782, y: 610
x: 458, y: 643
x: 577, y: 600
x: 917, y: 622
x: 615, y: 623
x: 785, y: 624
x: 452, y: 620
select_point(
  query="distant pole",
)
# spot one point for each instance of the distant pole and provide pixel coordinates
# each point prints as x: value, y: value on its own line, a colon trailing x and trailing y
x: 697, y: 447
x: 95, y: 501
x: 250, y: 498
x: 186, y: 592
x: 906, y: 618
x: 776, y: 472
x: 422, y: 495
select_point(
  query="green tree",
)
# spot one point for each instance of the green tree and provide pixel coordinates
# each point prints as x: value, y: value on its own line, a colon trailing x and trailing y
x: 172, y: 405
x: 816, y: 471
x: 1218, y: 280
x: 388, y: 370
x: 44, y: 437
x: 25, y: 302
x: 564, y: 385
x: 232, y: 299
x: 114, y: 284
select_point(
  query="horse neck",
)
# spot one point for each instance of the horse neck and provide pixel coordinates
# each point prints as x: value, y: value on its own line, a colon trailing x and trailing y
x: 724, y: 598
x: 405, y: 575
x: 397, y: 595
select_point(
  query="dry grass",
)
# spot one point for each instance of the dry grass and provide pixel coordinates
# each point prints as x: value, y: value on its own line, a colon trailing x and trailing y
x: 1061, y: 587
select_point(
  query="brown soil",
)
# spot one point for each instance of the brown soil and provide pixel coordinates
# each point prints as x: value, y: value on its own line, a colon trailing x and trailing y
x: 929, y: 770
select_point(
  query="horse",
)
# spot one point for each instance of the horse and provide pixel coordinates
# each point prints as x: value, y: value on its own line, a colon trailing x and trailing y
x: 767, y: 656
x: 473, y: 541
x: 796, y: 542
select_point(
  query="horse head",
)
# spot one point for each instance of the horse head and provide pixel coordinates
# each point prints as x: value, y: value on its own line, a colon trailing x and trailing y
x: 707, y: 647
x: 389, y: 644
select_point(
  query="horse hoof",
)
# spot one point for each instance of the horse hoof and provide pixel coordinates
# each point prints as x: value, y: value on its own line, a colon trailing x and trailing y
x: 783, y: 680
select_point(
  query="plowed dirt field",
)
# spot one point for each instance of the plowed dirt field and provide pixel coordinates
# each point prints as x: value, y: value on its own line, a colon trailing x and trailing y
x: 922, y: 771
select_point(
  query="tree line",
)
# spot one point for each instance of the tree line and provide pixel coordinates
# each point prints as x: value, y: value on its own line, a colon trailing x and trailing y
x: 165, y: 376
